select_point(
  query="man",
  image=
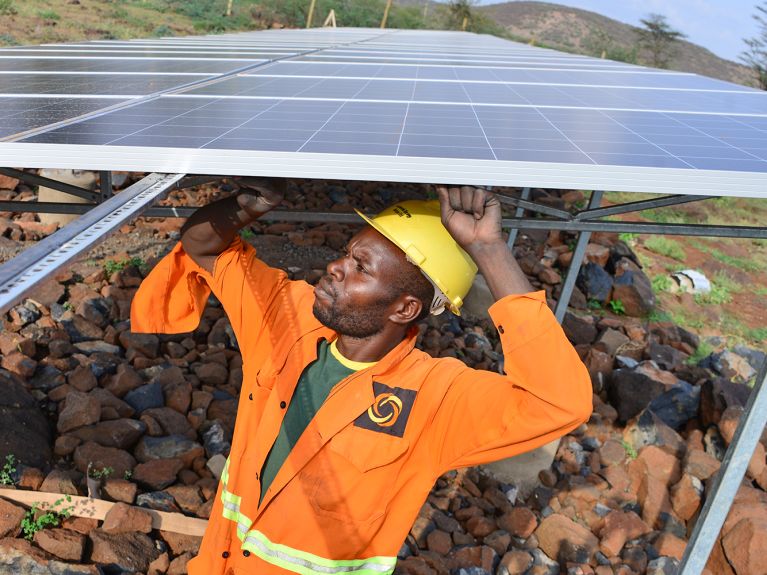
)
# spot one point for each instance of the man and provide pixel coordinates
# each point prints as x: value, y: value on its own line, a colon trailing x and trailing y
x: 342, y: 426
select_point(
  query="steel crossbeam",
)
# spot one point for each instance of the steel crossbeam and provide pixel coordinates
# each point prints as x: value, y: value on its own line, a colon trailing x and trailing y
x: 21, y: 274
x: 36, y: 180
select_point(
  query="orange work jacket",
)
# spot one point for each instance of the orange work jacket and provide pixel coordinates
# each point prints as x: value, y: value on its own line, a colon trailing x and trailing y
x: 351, y: 488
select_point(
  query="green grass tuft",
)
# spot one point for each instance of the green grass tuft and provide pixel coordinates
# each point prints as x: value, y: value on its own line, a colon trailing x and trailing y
x: 665, y: 247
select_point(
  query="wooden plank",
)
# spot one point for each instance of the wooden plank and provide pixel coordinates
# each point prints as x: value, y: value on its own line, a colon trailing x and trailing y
x: 98, y: 508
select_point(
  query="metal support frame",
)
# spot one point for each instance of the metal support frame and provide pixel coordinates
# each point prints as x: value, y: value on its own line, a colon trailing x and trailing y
x: 105, y: 185
x: 727, y: 480
x: 575, y: 263
x: 36, y: 180
x: 518, y: 213
x: 21, y: 274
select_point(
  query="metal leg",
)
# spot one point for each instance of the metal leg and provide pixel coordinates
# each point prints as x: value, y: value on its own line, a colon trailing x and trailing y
x: 105, y: 185
x: 520, y: 212
x: 20, y: 275
x: 728, y: 479
x: 36, y: 180
x: 575, y: 263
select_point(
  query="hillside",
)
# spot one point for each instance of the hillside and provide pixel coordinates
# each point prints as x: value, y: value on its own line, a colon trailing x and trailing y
x: 583, y: 32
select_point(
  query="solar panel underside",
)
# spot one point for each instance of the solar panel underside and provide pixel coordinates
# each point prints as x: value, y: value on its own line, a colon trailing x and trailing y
x: 367, y: 104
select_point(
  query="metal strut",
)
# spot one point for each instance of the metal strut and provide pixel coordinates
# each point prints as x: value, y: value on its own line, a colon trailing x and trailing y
x: 20, y: 275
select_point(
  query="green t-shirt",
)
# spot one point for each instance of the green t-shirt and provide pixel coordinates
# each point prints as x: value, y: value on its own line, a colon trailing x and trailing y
x: 313, y: 387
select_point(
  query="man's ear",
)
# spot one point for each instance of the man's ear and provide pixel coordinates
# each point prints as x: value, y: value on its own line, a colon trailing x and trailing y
x: 406, y: 308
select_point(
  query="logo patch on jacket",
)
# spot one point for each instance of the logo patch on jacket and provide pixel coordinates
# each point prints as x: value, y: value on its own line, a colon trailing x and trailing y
x: 390, y: 411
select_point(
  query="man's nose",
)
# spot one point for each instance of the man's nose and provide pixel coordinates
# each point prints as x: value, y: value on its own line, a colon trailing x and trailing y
x: 335, y: 269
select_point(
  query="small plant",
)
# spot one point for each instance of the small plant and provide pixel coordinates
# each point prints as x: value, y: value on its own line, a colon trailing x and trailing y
x: 49, y: 15
x: 616, y: 306
x: 718, y: 295
x: 594, y: 304
x: 704, y: 350
x: 661, y: 283
x: 629, y: 449
x: 627, y: 238
x: 67, y: 305
x: 31, y: 523
x: 8, y: 470
x: 127, y: 475
x: 102, y: 473
x: 112, y: 266
x: 7, y: 8
x: 665, y: 247
x: 162, y: 30
x: 246, y: 233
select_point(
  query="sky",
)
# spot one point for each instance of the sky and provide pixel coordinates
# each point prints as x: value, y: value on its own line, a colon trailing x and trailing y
x: 719, y: 25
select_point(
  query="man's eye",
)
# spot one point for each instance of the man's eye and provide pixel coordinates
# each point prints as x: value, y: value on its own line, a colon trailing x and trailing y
x: 361, y: 269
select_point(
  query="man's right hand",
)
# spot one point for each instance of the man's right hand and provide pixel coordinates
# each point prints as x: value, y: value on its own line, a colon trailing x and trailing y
x: 259, y: 195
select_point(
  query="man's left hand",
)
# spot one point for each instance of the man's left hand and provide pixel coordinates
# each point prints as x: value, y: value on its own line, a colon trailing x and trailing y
x: 471, y: 215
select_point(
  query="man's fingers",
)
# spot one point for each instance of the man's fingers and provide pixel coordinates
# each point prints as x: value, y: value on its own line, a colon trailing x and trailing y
x: 478, y: 205
x: 444, y: 202
x: 455, y: 199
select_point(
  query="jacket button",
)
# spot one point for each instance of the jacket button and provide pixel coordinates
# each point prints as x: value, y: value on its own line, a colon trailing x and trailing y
x: 500, y: 329
x: 283, y: 404
x: 256, y: 476
x: 225, y: 554
x: 246, y: 553
x: 250, y: 396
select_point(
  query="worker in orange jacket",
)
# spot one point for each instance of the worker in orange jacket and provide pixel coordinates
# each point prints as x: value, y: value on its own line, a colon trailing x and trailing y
x: 342, y: 425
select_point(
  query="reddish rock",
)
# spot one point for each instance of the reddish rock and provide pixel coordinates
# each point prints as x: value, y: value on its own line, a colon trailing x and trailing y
x: 211, y: 373
x: 118, y: 489
x: 744, y: 546
x: 18, y: 363
x: 480, y: 526
x: 686, y: 496
x: 515, y: 562
x: 439, y: 542
x: 654, y: 498
x: 82, y: 525
x: 520, y: 522
x: 700, y: 464
x: 100, y: 457
x: 62, y: 543
x: 669, y: 545
x: 499, y: 540
x: 121, y: 433
x: 661, y: 465
x: 160, y: 565
x: 82, y: 379
x: 122, y: 518
x: 59, y: 481
x: 187, y: 497
x: 157, y: 474
x: 178, y: 565
x: 80, y: 409
x: 126, y: 379
x: 562, y: 538
x: 612, y: 452
x: 415, y: 566
x: 180, y: 543
x: 619, y: 527
x: 30, y: 478
x: 10, y: 518
x: 178, y: 396
x: 131, y: 551
x: 146, y: 344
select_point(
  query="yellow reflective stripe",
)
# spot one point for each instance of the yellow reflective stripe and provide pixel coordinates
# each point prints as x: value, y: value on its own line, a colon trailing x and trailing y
x: 309, y: 564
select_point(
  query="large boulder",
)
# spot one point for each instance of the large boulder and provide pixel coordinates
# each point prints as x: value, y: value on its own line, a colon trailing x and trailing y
x: 24, y: 429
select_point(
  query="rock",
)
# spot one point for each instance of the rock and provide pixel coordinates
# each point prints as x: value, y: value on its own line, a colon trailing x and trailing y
x: 678, y: 405
x: 734, y: 367
x: 80, y: 329
x: 744, y: 546
x: 83, y: 525
x: 159, y: 501
x: 18, y: 363
x: 213, y: 439
x: 610, y: 341
x: 60, y: 481
x: 111, y: 404
x: 665, y: 356
x: 686, y: 496
x: 168, y: 447
x: 480, y: 526
x: 700, y: 464
x: 669, y: 545
x: 178, y: 396
x: 649, y: 429
x: 180, y: 543
x: 145, y: 397
x: 187, y: 497
x: 82, y: 379
x: 118, y: 489
x: 46, y: 378
x: 718, y: 395
x: 10, y: 519
x: 562, y: 538
x: 619, y: 527
x: 123, y: 518
x: 60, y: 568
x: 119, y: 433
x: 211, y: 373
x: 100, y: 457
x: 631, y: 391
x: 157, y: 474
x: 654, y: 498
x: 131, y: 551
x: 663, y: 566
x: 594, y: 282
x: 125, y: 380
x: 19, y: 557
x: 24, y: 429
x: 499, y: 540
x: 612, y: 452
x: 96, y: 346
x: 80, y: 409
x: 439, y: 542
x: 178, y: 565
x: 63, y: 543
x: 146, y: 344
x: 170, y: 421
x: 633, y: 288
x: 514, y: 562
x: 578, y: 329
x: 216, y: 465
x: 660, y: 464
x: 520, y: 522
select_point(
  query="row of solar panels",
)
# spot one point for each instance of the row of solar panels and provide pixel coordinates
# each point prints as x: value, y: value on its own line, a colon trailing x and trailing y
x: 359, y: 93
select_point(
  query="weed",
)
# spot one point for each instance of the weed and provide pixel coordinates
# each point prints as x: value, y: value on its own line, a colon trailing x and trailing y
x: 617, y: 307
x: 8, y: 39
x: 49, y: 15
x: 127, y: 475
x: 629, y: 449
x: 102, y: 473
x: 30, y: 524
x: 745, y: 264
x: 666, y: 216
x: 756, y: 335
x: 627, y: 238
x: 662, y: 283
x: 704, y: 350
x: 726, y: 281
x: 7, y: 8
x: 718, y: 295
x: 658, y: 316
x: 760, y: 291
x: 112, y: 266
x: 594, y: 304
x: 8, y: 470
x: 246, y: 233
x: 665, y: 247
x: 67, y: 305
x: 162, y: 30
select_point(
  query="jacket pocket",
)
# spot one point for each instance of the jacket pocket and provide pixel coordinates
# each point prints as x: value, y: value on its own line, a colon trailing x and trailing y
x: 355, y: 477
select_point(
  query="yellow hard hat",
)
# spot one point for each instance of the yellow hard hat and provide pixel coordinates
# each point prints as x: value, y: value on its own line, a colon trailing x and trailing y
x: 415, y: 226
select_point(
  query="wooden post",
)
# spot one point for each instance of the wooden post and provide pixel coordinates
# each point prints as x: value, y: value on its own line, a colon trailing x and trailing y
x: 465, y: 22
x: 330, y: 20
x: 310, y: 14
x: 386, y: 13
x: 229, y: 8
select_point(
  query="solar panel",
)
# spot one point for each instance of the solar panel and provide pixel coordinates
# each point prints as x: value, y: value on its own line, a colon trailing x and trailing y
x: 423, y: 106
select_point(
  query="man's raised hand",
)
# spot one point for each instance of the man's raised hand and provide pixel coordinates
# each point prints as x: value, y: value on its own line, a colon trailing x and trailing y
x: 471, y: 215
x: 259, y: 195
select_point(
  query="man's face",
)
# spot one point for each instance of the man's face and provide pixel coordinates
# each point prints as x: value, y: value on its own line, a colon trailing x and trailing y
x: 356, y: 294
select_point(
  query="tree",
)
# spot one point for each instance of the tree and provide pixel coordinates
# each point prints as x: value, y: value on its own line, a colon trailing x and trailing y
x: 658, y: 38
x: 461, y: 12
x: 756, y: 55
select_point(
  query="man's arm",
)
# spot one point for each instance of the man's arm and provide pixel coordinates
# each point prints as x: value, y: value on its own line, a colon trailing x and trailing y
x: 473, y: 218
x: 211, y: 229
